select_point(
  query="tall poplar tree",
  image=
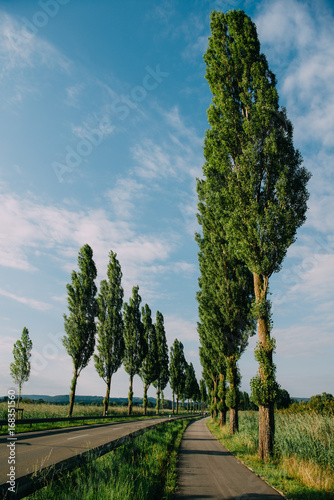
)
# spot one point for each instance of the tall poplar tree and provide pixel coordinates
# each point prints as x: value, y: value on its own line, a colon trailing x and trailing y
x: 225, y: 297
x: 20, y: 368
x: 110, y: 342
x: 177, y: 371
x: 134, y: 340
x: 163, y: 359
x: 262, y: 196
x: 80, y: 327
x: 150, y: 366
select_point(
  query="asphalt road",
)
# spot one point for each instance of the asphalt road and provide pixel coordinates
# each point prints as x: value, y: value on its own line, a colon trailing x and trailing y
x: 207, y: 470
x: 36, y: 450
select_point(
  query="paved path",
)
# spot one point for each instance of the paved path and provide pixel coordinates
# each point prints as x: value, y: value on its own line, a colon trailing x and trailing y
x: 207, y: 470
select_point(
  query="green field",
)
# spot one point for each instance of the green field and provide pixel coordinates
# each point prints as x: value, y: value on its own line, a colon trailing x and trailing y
x: 303, y: 467
x: 41, y: 410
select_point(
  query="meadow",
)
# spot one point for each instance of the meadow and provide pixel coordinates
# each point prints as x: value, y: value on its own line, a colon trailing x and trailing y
x: 303, y: 466
x: 46, y: 410
x: 142, y: 469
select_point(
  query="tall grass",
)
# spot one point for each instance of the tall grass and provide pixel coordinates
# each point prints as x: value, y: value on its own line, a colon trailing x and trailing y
x: 304, y: 452
x: 308, y: 436
x: 140, y: 470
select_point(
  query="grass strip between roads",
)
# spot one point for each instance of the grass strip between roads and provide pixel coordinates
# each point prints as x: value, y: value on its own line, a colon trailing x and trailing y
x: 142, y: 469
x: 291, y: 472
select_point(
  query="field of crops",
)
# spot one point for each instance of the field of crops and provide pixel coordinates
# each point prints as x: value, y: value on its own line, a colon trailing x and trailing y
x: 303, y: 467
x: 41, y: 410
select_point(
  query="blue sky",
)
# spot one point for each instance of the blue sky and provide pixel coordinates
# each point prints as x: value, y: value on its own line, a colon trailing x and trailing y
x: 103, y: 115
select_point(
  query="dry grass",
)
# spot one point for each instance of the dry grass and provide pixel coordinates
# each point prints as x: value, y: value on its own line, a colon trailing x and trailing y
x: 309, y: 474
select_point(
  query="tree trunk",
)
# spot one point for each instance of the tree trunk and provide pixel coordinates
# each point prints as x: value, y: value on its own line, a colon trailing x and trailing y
x: 19, y: 396
x: 106, y: 399
x: 177, y: 404
x: 72, y: 393
x: 173, y: 403
x: 266, y: 431
x: 158, y: 401
x: 233, y: 373
x: 130, y: 396
x: 266, y: 412
x: 222, y: 418
x: 145, y: 398
x: 234, y: 420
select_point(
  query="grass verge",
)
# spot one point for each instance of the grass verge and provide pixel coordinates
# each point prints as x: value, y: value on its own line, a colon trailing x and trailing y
x: 291, y: 472
x: 142, y: 469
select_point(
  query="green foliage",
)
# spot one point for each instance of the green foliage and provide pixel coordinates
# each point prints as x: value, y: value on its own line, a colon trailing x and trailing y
x: 20, y: 368
x: 203, y: 391
x: 163, y: 359
x: 191, y: 388
x: 249, y: 148
x: 253, y: 174
x: 110, y: 342
x: 177, y: 368
x: 149, y: 369
x: 320, y: 403
x: 135, y: 345
x: 283, y: 399
x: 264, y: 386
x: 80, y: 327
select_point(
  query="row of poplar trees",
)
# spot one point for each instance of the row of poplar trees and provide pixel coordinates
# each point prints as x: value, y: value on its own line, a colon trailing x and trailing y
x: 252, y: 200
x: 126, y: 335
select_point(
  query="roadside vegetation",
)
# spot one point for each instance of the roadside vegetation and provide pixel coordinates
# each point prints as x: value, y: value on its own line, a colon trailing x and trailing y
x: 303, y: 462
x: 144, y: 468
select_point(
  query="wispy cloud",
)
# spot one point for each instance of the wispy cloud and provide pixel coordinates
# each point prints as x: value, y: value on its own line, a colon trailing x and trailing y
x: 180, y: 328
x: 152, y: 161
x: 124, y: 196
x: 35, y: 304
x: 303, y: 32
x: 58, y: 233
x: 21, y: 49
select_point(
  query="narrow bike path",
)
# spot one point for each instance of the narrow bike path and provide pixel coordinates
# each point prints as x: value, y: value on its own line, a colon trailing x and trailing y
x: 207, y: 470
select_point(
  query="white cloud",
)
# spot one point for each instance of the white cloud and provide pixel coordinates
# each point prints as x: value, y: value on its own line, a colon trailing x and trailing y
x: 34, y: 304
x: 152, y: 161
x: 73, y: 93
x: 311, y: 339
x: 19, y: 48
x: 124, y: 195
x: 58, y: 233
x: 299, y: 38
x: 182, y: 329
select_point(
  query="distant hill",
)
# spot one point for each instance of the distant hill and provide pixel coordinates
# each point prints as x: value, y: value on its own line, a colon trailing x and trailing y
x: 301, y: 399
